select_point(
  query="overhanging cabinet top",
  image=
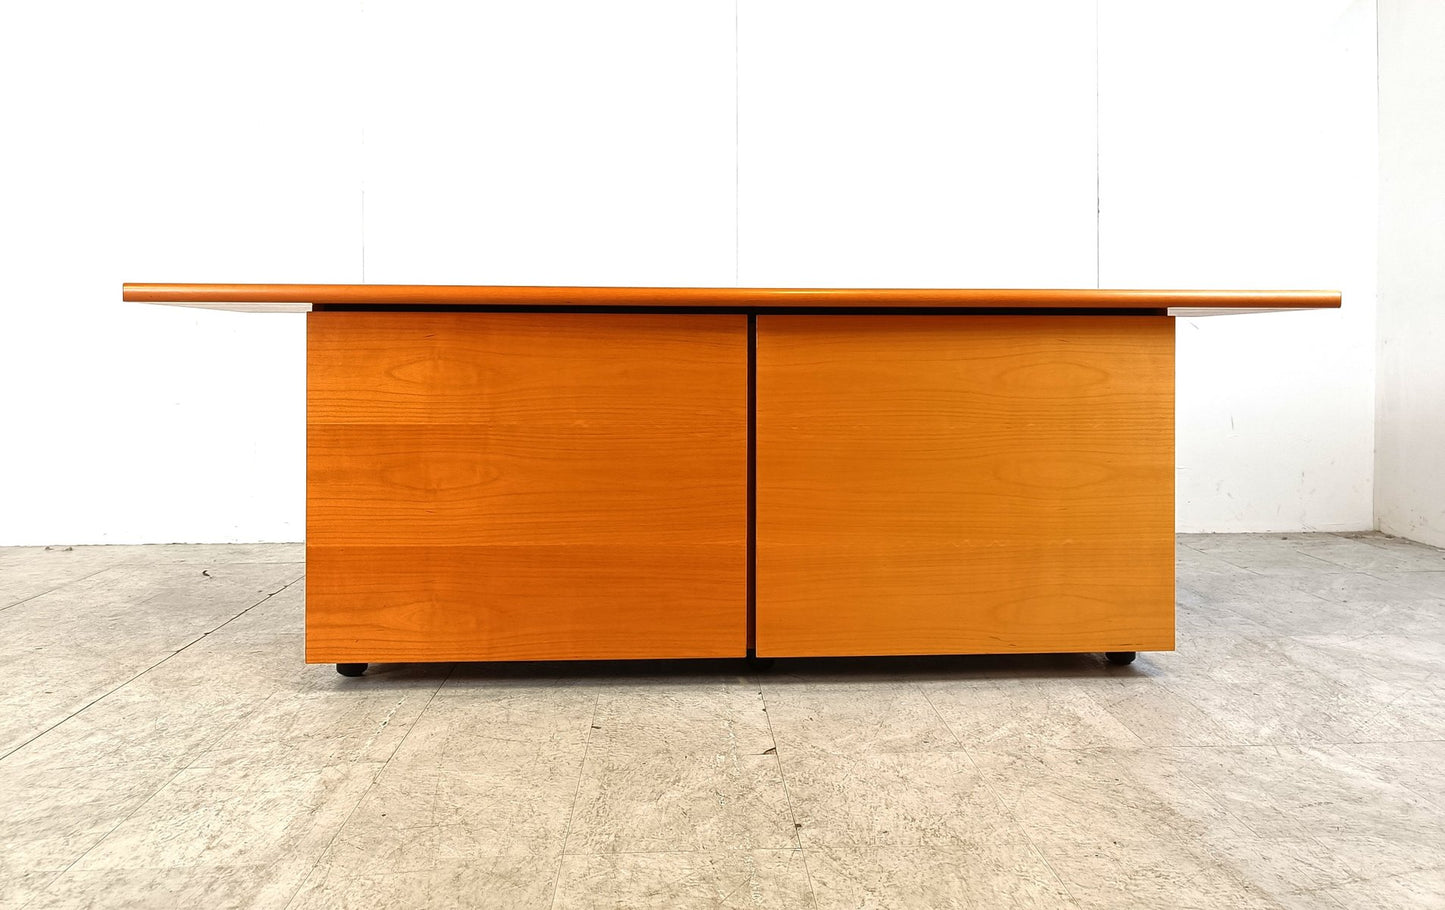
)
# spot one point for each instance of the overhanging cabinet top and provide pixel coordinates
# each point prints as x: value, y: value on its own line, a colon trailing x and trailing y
x: 334, y: 297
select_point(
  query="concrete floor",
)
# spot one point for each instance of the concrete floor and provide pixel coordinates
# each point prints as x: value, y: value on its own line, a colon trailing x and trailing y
x: 162, y: 744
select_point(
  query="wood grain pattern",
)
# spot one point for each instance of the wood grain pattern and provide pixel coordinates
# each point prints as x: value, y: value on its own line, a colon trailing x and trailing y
x: 946, y: 484
x: 505, y: 486
x: 422, y: 296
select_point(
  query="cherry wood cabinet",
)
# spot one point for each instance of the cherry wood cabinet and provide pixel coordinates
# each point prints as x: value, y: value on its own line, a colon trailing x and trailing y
x: 519, y: 473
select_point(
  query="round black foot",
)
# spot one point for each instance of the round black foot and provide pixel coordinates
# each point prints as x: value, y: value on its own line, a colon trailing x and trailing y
x: 1120, y: 658
x: 351, y: 669
x: 759, y: 663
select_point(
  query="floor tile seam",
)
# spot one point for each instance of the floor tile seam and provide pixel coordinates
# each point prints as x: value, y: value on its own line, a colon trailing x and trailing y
x: 30, y: 902
x: 962, y: 847
x: 386, y: 763
x: 187, y: 595
x: 787, y: 794
x: 948, y: 728
x: 1237, y: 568
x: 73, y: 581
x: 287, y: 586
x: 1205, y: 791
x: 1013, y: 816
x: 1304, y: 639
x: 1424, y: 796
x: 1408, y: 688
x: 1202, y: 710
x: 234, y: 562
x: 576, y: 794
x: 1048, y: 864
x: 1364, y: 878
x: 1264, y: 633
x: 380, y: 728
x: 148, y: 669
x: 116, y: 827
x: 376, y: 775
x: 725, y: 851
x: 101, y: 697
x: 1308, y: 837
x: 1093, y: 698
x: 210, y: 745
x: 1334, y: 562
x: 1232, y: 871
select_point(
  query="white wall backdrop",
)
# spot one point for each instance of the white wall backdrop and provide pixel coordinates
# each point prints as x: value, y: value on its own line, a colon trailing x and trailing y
x: 150, y: 141
x: 1237, y: 149
x: 1410, y: 480
x: 708, y: 143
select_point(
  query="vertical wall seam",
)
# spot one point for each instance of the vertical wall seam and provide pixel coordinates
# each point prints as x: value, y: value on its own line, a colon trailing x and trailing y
x: 1376, y: 523
x: 361, y: 115
x: 1098, y: 239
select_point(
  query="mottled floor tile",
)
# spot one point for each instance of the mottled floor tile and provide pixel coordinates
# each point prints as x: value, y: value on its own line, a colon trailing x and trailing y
x: 1419, y: 585
x: 1287, y: 754
x: 1290, y: 871
x: 50, y: 817
x: 226, y: 817
x: 426, y: 815
x: 19, y: 887
x: 1366, y: 614
x: 1029, y: 714
x: 256, y: 666
x: 226, y: 888
x: 515, y: 878
x: 1167, y: 874
x: 680, y: 881
x: 160, y: 554
x: 660, y: 799
x: 1406, y: 855
x: 1420, y: 766
x: 1422, y: 890
x: 1409, y: 556
x: 905, y: 798
x: 27, y: 572
x: 673, y: 767
x: 128, y: 608
x: 1123, y: 798
x: 1247, y: 589
x: 1281, y: 691
x: 471, y: 776
x: 1001, y: 875
x: 1292, y: 792
x: 850, y: 718
x: 310, y: 732
x: 506, y: 727
x: 65, y: 649
x: 282, y: 612
x: 1395, y: 656
x: 707, y: 716
x: 1158, y: 715
x: 1265, y: 555
x: 133, y: 728
x: 44, y: 689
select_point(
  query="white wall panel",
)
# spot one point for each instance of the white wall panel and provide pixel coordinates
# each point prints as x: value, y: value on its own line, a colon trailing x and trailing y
x: 909, y: 143
x: 916, y: 143
x: 1237, y: 149
x: 550, y: 142
x: 1410, y: 471
x: 165, y: 142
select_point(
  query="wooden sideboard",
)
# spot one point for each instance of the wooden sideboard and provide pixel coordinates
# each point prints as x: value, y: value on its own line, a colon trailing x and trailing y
x: 543, y: 473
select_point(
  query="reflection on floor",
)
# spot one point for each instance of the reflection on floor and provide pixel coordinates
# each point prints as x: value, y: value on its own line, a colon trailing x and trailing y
x: 162, y: 744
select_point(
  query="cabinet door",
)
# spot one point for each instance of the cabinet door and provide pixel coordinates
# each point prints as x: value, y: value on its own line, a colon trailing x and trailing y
x: 964, y: 484
x: 507, y: 486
